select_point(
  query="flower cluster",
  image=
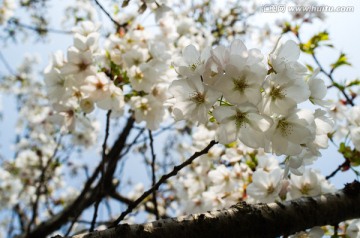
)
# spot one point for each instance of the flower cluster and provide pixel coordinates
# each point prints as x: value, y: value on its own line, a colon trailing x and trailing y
x: 226, y: 175
x: 251, y: 102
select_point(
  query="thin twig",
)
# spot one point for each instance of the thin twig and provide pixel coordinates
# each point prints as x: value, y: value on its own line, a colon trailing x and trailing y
x: 128, y: 201
x: 162, y: 180
x: 88, y: 194
x: 329, y: 75
x: 158, y: 132
x: 97, y: 203
x: 346, y: 163
x: 7, y: 65
x: 40, y: 30
x: 128, y: 147
x: 153, y: 156
x: 41, y: 183
x: 109, y: 16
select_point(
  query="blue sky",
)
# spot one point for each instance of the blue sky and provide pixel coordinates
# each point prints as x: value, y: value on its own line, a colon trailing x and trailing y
x: 344, y: 34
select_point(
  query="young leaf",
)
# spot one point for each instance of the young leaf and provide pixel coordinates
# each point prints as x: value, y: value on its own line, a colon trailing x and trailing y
x: 342, y: 60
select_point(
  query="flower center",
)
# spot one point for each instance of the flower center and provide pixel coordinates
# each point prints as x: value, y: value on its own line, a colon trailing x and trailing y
x: 240, y: 119
x: 284, y: 127
x: 240, y: 83
x: 83, y: 66
x: 139, y: 76
x: 270, y: 189
x: 198, y: 98
x: 277, y: 93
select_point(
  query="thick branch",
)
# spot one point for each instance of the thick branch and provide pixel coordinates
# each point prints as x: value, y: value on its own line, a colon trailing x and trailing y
x: 245, y: 220
x: 89, y: 195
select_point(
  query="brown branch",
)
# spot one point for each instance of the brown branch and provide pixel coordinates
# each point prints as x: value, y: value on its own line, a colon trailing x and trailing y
x: 128, y: 201
x: 40, y: 30
x: 88, y: 195
x: 246, y: 220
x: 162, y: 180
x: 345, y: 164
x: 110, y: 17
x: 153, y: 156
x: 101, y: 190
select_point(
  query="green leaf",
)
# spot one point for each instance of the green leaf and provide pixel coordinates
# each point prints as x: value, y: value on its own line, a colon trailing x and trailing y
x: 310, y: 46
x: 342, y: 60
x: 355, y: 82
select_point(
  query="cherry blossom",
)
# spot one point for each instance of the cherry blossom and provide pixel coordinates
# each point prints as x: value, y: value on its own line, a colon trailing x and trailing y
x: 266, y: 186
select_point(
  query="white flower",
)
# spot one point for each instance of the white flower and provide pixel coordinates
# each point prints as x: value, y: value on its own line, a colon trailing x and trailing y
x: 86, y: 28
x: 55, y: 84
x: 241, y: 84
x: 284, y: 59
x: 353, y: 229
x: 306, y: 185
x: 243, y: 122
x: 221, y: 178
x: 281, y: 93
x: 265, y: 186
x: 148, y: 109
x: 96, y: 86
x: 65, y: 116
x: 291, y: 131
x: 318, y: 89
x: 144, y: 77
x: 315, y: 232
x: 324, y: 126
x: 84, y: 43
x: 193, y: 61
x: 135, y: 56
x: 114, y: 100
x: 267, y: 163
x: 236, y: 54
x: 354, y: 121
x: 79, y: 63
x: 232, y: 155
x: 87, y: 105
x: 213, y: 200
x: 193, y: 99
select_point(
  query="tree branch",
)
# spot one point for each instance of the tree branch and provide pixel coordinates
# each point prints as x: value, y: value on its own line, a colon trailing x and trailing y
x: 162, y: 180
x: 118, y: 25
x: 246, y: 220
x: 153, y: 156
x: 128, y: 201
x: 89, y: 195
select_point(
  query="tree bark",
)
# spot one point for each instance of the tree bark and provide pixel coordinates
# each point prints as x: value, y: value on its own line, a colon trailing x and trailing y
x: 246, y: 220
x: 88, y: 195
